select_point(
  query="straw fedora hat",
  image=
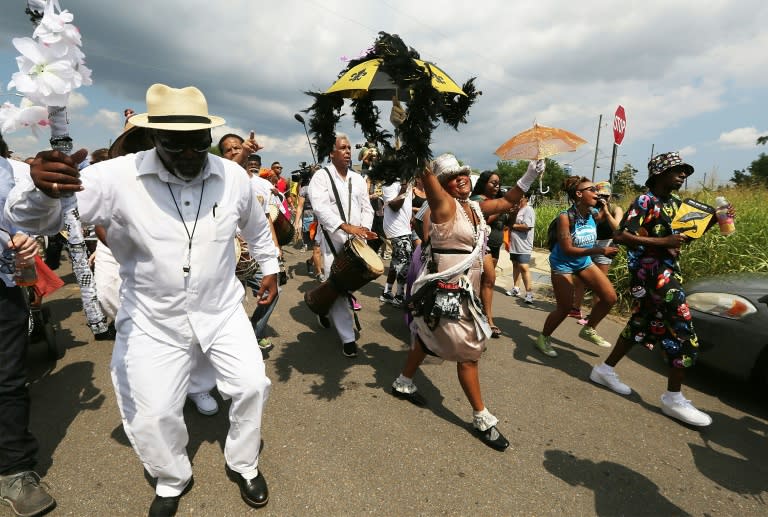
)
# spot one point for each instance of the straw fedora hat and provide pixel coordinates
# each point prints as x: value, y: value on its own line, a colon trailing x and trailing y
x: 175, y: 109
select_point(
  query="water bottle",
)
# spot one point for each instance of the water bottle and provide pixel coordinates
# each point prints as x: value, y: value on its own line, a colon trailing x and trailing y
x: 723, y: 217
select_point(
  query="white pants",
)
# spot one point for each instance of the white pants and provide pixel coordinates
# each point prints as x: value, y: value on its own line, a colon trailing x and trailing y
x: 151, y: 381
x: 340, y: 313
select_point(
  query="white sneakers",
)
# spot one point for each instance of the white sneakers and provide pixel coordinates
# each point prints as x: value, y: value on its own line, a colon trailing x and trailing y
x: 673, y: 405
x: 606, y: 376
x: 206, y: 404
x: 676, y: 406
x: 515, y: 291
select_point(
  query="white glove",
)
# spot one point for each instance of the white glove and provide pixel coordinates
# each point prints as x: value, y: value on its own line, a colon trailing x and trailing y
x: 397, y: 116
x: 535, y: 169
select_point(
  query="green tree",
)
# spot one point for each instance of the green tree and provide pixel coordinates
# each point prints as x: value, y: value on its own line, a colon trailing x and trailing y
x: 755, y: 174
x: 624, y: 180
x: 511, y: 171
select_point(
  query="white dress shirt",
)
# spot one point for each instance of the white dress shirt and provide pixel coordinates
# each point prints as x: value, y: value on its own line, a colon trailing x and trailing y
x: 133, y: 198
x: 353, y: 194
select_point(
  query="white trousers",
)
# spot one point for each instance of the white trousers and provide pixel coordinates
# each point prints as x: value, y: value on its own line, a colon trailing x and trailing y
x: 151, y: 381
x: 340, y: 313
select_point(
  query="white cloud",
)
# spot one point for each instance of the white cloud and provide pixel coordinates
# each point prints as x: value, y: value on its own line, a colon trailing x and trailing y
x: 740, y: 138
x: 687, y: 151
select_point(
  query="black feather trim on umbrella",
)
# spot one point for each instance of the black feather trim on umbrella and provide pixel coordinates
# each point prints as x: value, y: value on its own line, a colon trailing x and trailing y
x: 425, y: 108
x: 326, y: 113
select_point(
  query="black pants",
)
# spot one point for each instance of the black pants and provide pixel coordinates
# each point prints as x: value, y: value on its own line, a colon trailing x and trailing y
x: 18, y: 448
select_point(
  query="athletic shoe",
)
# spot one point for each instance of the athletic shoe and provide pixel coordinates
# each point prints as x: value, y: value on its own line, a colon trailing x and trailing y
x: 515, y: 291
x: 356, y: 305
x: 320, y: 277
x: 583, y: 321
x: 529, y: 299
x: 386, y: 297
x: 684, y: 411
x: 575, y: 313
x: 592, y: 336
x: 609, y: 379
x: 206, y: 405
x: 543, y: 344
x: 398, y: 301
x: 266, y: 344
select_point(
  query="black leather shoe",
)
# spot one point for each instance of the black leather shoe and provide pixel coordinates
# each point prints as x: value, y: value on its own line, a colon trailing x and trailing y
x: 253, y: 491
x: 167, y: 506
x: 492, y: 438
x: 323, y: 320
x: 414, y: 398
x: 350, y: 349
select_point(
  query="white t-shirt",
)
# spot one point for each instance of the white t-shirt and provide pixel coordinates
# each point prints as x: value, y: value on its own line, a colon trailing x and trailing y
x: 397, y: 222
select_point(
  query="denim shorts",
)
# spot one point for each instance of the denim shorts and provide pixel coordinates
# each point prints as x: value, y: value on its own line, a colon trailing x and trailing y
x: 520, y: 258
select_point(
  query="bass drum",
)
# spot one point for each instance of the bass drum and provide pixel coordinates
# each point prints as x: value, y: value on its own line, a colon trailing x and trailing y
x: 352, y: 268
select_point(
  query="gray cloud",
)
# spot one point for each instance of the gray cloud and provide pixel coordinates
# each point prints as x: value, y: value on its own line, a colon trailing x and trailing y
x: 558, y: 63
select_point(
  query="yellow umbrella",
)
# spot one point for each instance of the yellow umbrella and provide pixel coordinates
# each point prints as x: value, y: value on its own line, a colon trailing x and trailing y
x: 367, y: 79
x: 539, y: 142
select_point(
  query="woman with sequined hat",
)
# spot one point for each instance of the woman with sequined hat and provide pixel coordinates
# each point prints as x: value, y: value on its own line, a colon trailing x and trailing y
x: 660, y: 315
x: 448, y: 319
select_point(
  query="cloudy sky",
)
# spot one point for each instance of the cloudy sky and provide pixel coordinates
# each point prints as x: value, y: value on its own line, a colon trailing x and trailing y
x: 691, y: 75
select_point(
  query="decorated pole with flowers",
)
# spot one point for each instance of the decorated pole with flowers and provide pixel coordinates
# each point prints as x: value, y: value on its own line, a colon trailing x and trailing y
x: 51, y: 67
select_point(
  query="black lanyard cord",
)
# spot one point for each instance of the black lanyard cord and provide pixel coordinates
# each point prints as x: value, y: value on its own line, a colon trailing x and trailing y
x: 190, y: 236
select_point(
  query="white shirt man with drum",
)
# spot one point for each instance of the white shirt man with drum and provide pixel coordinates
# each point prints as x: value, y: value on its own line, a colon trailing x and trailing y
x: 353, y: 195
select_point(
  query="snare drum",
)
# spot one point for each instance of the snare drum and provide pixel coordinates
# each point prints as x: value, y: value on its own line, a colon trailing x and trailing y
x: 352, y: 268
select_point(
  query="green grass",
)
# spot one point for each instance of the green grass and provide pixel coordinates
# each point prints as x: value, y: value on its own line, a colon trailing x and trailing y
x: 712, y: 254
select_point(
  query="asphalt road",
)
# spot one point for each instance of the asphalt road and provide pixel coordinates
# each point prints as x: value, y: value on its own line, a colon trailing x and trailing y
x: 337, y: 443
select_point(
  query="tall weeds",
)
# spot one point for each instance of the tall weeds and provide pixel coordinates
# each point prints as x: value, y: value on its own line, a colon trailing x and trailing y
x: 744, y: 251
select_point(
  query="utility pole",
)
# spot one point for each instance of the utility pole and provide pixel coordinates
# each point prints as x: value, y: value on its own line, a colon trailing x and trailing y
x: 652, y: 146
x: 597, y: 144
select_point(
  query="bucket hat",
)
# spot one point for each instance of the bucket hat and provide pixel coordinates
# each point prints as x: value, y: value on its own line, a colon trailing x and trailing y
x: 661, y: 163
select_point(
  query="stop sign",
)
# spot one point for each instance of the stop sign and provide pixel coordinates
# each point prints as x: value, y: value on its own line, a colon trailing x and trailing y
x: 619, y: 125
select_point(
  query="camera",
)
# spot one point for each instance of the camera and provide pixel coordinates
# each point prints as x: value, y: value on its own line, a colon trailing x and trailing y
x: 303, y: 174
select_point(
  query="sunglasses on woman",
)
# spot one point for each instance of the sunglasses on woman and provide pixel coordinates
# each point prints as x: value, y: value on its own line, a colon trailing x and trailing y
x: 591, y: 189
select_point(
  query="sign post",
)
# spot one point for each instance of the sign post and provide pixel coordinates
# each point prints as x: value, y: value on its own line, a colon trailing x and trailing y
x: 619, y: 127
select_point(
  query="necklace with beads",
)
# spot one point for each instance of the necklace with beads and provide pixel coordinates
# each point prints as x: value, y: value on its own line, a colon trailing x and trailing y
x: 476, y: 220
